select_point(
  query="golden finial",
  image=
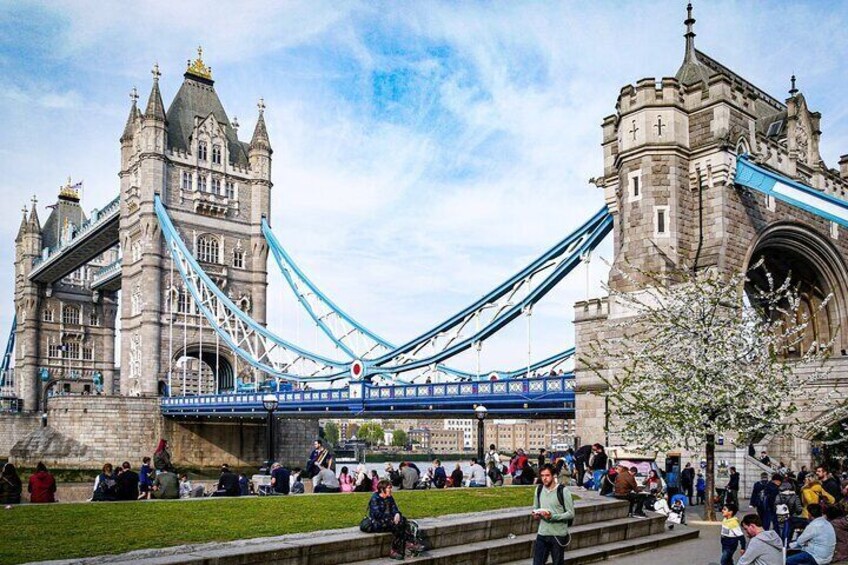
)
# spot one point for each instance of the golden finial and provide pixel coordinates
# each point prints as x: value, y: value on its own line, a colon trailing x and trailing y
x: 198, y: 68
x: 70, y: 191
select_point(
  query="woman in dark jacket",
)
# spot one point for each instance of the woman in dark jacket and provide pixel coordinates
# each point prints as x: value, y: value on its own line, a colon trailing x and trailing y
x: 456, y: 476
x: 386, y: 517
x: 42, y: 485
x: 10, y: 485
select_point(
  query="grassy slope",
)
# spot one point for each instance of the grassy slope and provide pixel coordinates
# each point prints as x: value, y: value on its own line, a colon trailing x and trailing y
x: 64, y: 531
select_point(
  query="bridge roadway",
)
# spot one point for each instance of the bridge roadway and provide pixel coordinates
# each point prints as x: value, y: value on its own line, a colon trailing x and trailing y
x: 543, y: 397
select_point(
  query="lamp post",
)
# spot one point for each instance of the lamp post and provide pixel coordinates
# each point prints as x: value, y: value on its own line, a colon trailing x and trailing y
x: 480, y: 411
x: 270, y: 403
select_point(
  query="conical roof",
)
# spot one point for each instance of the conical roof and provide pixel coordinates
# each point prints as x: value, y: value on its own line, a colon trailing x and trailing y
x: 155, y: 107
x: 260, y: 134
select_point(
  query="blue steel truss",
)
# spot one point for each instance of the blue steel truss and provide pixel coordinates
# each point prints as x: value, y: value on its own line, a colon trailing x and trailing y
x: 547, y: 396
x: 10, y: 349
x: 357, y: 341
x: 790, y: 191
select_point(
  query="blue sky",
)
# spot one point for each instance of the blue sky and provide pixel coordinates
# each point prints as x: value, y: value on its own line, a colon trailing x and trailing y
x: 423, y: 151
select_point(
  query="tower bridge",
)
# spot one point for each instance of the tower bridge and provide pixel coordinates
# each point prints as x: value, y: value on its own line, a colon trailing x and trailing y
x: 703, y: 164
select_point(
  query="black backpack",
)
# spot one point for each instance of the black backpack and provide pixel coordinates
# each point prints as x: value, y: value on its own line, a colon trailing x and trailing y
x: 560, y: 497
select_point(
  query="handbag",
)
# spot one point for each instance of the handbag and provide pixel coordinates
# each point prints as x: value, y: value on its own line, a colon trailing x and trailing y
x: 366, y: 526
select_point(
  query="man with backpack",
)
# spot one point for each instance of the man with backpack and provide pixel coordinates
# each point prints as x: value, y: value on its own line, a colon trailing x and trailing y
x: 758, y: 496
x: 554, y: 508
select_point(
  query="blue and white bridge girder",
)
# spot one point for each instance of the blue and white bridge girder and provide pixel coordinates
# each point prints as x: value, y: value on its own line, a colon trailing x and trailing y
x: 495, y: 310
x: 790, y: 191
x: 250, y: 341
x: 6, y: 362
x: 353, y: 338
x: 537, y: 397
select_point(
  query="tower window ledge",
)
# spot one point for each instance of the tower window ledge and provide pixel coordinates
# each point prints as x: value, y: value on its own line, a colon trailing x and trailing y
x: 210, y: 204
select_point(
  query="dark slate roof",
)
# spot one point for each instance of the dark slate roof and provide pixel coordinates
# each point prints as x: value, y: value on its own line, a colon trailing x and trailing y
x: 197, y: 97
x: 63, y: 210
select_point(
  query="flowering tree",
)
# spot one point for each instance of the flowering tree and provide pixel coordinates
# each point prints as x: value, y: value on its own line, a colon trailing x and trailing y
x: 703, y: 357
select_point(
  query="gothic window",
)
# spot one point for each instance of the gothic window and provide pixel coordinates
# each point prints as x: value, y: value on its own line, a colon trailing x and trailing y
x: 201, y: 183
x: 201, y: 150
x: 47, y: 315
x: 135, y: 300
x: 661, y: 221
x: 71, y: 350
x: 207, y: 248
x: 238, y: 259
x: 634, y: 186
x: 54, y: 350
x: 186, y: 184
x: 231, y: 190
x: 88, y: 353
x: 216, y: 154
x: 742, y: 146
x: 93, y: 319
x: 70, y: 315
x: 216, y: 186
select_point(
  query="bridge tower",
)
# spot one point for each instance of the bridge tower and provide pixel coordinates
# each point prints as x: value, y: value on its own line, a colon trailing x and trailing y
x: 217, y: 189
x: 669, y: 158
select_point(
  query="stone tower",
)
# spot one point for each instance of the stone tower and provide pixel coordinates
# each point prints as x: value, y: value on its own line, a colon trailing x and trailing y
x: 669, y: 158
x: 65, y: 340
x: 217, y: 190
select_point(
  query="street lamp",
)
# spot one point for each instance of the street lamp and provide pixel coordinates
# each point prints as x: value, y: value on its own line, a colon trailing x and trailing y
x: 270, y: 403
x: 480, y: 411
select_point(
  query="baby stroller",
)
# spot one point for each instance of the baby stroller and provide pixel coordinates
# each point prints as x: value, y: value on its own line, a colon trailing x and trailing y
x: 677, y: 511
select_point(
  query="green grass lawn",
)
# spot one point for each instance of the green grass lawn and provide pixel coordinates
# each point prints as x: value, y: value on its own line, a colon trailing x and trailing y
x: 65, y: 531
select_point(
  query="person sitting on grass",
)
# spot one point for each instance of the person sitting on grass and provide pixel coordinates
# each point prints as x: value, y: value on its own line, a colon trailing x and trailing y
x: 457, y: 476
x: 495, y: 475
x: 325, y: 481
x: 42, y: 485
x: 296, y: 482
x: 166, y: 486
x: 11, y: 486
x: 280, y: 479
x: 386, y: 517
x: 228, y: 483
x: 105, y: 485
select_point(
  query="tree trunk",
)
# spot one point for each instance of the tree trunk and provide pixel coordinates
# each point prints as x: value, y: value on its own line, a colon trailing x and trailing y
x: 709, y: 511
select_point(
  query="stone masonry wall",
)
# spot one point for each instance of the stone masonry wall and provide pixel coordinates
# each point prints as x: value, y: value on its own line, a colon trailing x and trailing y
x: 87, y: 431
x: 13, y: 427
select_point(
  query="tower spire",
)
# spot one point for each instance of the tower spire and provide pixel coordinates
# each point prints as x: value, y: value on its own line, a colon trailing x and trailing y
x: 128, y: 129
x: 260, y: 133
x: 690, y: 33
x: 34, y: 222
x: 155, y: 107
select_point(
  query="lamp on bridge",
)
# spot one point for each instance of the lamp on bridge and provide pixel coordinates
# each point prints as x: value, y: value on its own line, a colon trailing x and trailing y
x: 270, y: 403
x: 480, y: 411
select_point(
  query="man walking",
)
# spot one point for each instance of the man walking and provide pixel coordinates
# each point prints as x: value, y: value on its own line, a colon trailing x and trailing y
x: 687, y: 480
x: 554, y: 508
x: 758, y: 496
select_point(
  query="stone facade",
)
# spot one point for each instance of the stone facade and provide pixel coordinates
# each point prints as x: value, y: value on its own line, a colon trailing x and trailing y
x: 669, y: 156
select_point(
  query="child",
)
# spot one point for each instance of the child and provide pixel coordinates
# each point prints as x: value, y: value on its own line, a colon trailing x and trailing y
x: 701, y: 487
x: 145, y: 479
x: 731, y: 533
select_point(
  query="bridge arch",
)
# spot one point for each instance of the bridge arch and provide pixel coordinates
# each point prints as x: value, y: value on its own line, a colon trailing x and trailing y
x: 817, y: 269
x: 191, y: 360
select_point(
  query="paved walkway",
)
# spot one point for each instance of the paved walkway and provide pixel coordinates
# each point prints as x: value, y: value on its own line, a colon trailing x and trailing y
x: 705, y: 550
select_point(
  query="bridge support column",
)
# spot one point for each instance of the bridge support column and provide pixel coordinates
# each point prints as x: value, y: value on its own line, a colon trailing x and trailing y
x: 591, y: 412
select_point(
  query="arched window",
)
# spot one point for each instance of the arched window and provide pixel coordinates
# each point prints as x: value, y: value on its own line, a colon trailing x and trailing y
x: 742, y: 146
x: 216, y: 154
x: 207, y: 248
x: 216, y: 186
x: 70, y: 315
x: 201, y: 150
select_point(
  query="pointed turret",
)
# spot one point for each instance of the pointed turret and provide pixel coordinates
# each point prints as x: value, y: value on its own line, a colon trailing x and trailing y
x: 129, y: 129
x: 34, y: 223
x: 23, y: 227
x: 692, y: 70
x: 155, y: 107
x: 260, y: 133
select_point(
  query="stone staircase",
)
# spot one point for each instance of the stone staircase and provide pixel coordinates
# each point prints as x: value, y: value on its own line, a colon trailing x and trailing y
x: 601, y: 531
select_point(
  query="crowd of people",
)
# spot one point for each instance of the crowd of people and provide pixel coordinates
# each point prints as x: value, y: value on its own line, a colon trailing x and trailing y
x: 41, y: 485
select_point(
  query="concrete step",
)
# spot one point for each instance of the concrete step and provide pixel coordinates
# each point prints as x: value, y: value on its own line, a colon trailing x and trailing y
x: 592, y: 541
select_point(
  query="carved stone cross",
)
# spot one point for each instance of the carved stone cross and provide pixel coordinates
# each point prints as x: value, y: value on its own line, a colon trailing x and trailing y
x: 633, y: 130
x: 660, y: 125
